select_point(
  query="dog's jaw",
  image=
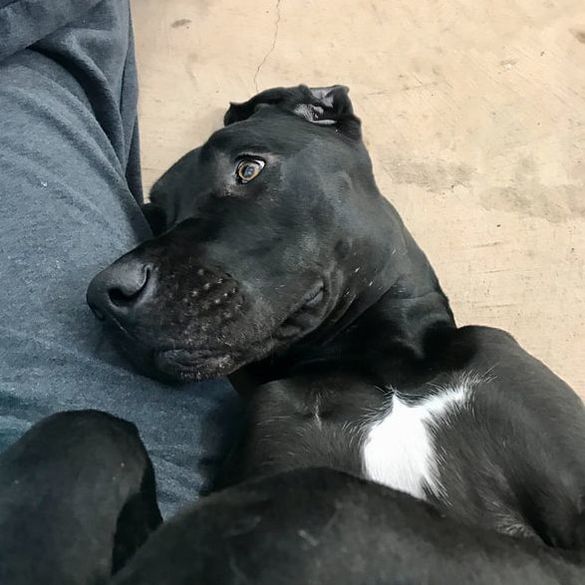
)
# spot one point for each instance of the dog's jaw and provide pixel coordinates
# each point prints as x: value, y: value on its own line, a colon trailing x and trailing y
x: 185, y: 364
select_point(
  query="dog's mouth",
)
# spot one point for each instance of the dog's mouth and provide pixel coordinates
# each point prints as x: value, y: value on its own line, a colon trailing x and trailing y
x: 188, y: 365
x: 300, y: 319
x: 198, y: 363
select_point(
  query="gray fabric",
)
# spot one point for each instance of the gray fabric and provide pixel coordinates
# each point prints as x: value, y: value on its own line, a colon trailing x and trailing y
x: 69, y: 185
x: 24, y: 22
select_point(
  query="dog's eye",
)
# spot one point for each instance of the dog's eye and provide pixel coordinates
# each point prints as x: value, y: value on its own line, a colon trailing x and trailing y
x: 247, y: 170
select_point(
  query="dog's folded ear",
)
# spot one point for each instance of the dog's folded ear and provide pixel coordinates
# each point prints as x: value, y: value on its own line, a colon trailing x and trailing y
x: 325, y: 106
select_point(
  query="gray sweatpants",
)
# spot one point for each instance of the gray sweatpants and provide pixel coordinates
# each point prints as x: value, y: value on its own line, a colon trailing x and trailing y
x: 69, y: 194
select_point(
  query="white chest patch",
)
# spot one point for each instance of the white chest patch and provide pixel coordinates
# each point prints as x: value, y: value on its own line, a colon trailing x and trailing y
x: 399, y: 450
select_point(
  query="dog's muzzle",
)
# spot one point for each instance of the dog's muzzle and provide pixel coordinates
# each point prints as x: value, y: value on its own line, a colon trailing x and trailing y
x: 125, y: 290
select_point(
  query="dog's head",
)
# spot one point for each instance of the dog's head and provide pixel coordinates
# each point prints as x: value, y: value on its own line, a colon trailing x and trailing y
x: 263, y: 235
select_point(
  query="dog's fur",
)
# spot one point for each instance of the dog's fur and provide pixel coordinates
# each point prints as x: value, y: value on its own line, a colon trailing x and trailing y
x: 322, y: 527
x: 305, y: 287
x: 77, y: 499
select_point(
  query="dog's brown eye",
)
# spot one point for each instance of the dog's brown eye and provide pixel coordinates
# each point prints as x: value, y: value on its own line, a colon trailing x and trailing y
x: 247, y: 170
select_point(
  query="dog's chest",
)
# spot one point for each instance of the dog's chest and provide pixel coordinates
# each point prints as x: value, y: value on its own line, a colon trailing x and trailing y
x: 399, y: 448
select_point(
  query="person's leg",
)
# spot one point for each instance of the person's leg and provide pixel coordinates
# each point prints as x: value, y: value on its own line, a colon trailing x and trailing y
x: 69, y: 184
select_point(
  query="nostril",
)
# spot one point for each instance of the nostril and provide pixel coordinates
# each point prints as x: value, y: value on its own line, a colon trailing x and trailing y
x: 126, y: 294
x: 120, y: 298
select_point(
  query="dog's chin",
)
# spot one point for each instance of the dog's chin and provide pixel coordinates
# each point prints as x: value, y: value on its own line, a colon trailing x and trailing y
x: 189, y: 364
x: 183, y: 365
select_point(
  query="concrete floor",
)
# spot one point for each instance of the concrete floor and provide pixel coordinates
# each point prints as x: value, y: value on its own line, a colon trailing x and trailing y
x: 474, y: 112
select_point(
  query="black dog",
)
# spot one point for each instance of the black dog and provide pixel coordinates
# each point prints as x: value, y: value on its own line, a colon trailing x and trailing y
x: 77, y: 499
x: 321, y: 527
x: 279, y: 263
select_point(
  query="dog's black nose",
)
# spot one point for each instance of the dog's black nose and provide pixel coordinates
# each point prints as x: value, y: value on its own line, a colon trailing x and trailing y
x: 119, y: 290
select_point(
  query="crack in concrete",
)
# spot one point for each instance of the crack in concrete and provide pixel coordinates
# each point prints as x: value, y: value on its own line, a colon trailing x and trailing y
x: 270, y: 51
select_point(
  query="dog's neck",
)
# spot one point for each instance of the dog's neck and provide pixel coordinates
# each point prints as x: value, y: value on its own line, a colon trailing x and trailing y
x: 388, y: 330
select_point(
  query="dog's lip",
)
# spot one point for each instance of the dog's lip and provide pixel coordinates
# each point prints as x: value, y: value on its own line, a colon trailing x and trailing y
x: 309, y: 308
x: 198, y: 364
x: 315, y: 295
x: 184, y: 356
